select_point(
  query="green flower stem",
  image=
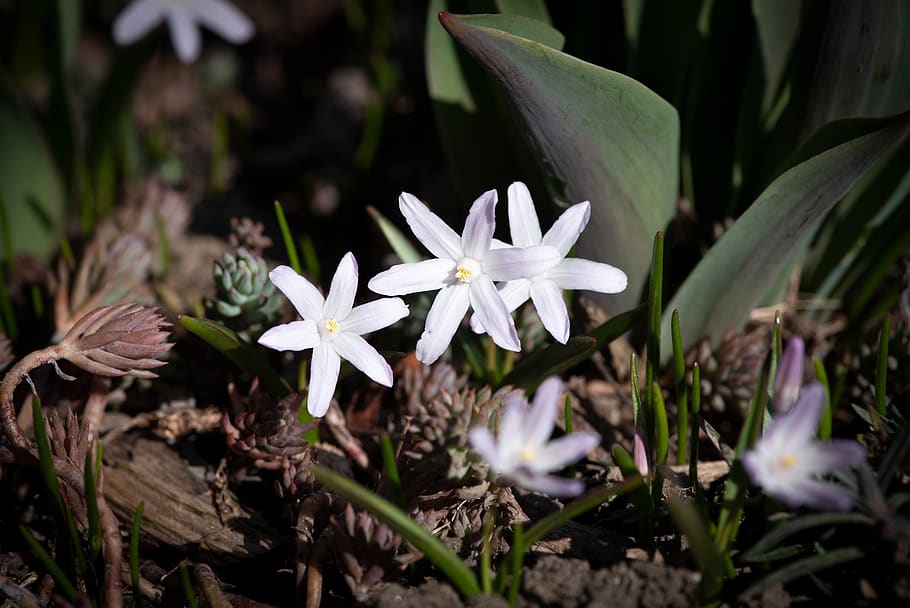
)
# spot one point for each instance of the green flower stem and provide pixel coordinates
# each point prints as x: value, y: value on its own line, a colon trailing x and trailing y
x: 682, y: 405
x: 881, y: 367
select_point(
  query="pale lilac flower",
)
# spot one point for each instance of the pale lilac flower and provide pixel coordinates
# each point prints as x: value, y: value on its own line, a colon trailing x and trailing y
x: 640, y: 452
x: 183, y: 18
x: 789, y: 377
x: 523, y: 452
x: 545, y: 288
x: 463, y: 271
x: 787, y: 460
x: 332, y: 327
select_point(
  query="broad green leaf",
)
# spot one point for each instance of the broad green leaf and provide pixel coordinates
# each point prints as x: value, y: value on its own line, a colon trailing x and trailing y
x: 442, y: 557
x: 482, y: 143
x: 777, y: 25
x: 601, y: 135
x: 862, y: 63
x: 532, y: 369
x: 228, y: 343
x: 31, y: 190
x: 738, y: 271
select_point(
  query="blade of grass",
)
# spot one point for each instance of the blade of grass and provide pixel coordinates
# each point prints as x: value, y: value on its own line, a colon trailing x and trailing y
x: 289, y: 246
x: 440, y: 555
x: 710, y: 559
x: 881, y: 367
x: 827, y: 419
x: 655, y: 296
x: 91, y: 505
x: 567, y: 416
x: 57, y: 573
x: 486, y: 585
x: 187, y: 585
x: 693, y: 439
x: 390, y: 468
x: 806, y: 566
x: 661, y: 428
x: 397, y: 240
x: 806, y: 522
x: 682, y: 405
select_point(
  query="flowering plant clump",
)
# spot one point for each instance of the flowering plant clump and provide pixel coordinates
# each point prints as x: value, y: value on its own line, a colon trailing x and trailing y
x: 463, y: 272
x: 522, y: 451
x: 788, y: 459
x: 184, y: 18
x: 332, y: 326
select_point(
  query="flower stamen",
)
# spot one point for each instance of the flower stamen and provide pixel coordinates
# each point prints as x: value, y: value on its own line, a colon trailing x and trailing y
x: 788, y: 462
x: 463, y: 274
x: 331, y: 326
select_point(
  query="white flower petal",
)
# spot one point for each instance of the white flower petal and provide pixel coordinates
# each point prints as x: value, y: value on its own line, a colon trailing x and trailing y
x: 834, y: 455
x: 185, y: 35
x: 435, y: 234
x: 374, y: 315
x: 519, y: 262
x: 566, y: 450
x: 302, y: 294
x: 224, y: 19
x: 323, y: 378
x: 296, y: 335
x: 340, y: 299
x: 413, y: 277
x: 801, y: 422
x: 538, y: 425
x: 137, y: 19
x: 481, y: 439
x: 479, y: 226
x: 575, y: 273
x: 551, y: 308
x: 523, y: 223
x: 364, y: 357
x: 492, y: 314
x: 568, y: 227
x: 443, y: 320
x: 513, y: 293
x: 813, y: 493
x: 550, y: 485
x: 511, y: 439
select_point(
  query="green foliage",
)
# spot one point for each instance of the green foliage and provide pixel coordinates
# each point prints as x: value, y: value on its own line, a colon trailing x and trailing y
x: 600, y: 135
x: 31, y: 190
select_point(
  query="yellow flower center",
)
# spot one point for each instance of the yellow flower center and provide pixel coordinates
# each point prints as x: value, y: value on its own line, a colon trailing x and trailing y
x: 463, y: 274
x: 788, y: 462
x: 331, y: 326
x: 527, y: 454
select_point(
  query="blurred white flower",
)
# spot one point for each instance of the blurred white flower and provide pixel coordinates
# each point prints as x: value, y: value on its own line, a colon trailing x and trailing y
x: 184, y: 17
x: 545, y: 289
x: 523, y: 453
x: 332, y: 327
x: 463, y: 271
x: 787, y: 460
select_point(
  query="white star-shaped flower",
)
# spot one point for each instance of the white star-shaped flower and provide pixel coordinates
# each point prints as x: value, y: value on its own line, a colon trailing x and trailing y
x: 184, y: 18
x: 463, y: 271
x: 332, y: 327
x: 545, y: 288
x: 788, y: 459
x: 523, y: 452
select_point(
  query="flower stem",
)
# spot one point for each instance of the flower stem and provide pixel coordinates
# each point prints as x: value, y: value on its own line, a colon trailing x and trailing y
x: 8, y: 389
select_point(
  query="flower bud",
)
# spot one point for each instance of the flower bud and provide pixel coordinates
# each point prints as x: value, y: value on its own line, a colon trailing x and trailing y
x: 789, y: 375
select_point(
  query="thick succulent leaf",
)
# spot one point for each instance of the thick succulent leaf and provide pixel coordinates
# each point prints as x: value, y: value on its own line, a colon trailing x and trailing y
x: 604, y: 136
x: 31, y: 190
x: 239, y: 352
x: 482, y: 144
x: 744, y: 264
